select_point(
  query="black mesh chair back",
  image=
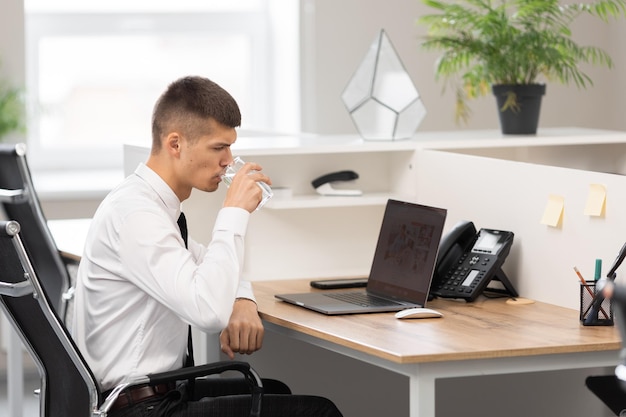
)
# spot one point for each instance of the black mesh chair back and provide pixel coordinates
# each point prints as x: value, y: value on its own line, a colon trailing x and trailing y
x: 20, y: 203
x: 68, y: 387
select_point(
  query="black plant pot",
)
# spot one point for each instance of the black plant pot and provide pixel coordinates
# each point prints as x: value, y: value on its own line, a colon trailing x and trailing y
x: 519, y: 106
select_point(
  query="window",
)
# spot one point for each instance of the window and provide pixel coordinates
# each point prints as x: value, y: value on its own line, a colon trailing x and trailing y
x: 95, y: 69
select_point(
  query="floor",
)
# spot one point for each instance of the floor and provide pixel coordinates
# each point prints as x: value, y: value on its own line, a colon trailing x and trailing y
x: 31, y: 383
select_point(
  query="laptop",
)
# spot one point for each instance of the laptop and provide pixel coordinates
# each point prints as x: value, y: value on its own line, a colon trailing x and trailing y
x: 402, y: 268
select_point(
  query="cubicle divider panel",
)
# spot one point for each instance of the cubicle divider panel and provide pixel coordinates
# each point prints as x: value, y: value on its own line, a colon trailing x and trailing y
x: 512, y: 195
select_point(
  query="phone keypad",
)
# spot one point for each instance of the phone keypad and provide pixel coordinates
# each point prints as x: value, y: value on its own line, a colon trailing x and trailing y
x: 464, y: 277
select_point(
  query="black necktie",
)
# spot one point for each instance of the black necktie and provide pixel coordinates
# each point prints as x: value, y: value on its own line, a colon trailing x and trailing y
x: 182, y: 225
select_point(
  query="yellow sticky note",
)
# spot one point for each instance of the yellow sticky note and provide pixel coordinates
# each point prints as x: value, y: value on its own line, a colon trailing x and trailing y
x: 595, y: 200
x: 553, y: 211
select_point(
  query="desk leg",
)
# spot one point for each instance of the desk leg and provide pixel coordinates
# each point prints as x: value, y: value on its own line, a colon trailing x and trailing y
x: 422, y: 392
x: 423, y: 376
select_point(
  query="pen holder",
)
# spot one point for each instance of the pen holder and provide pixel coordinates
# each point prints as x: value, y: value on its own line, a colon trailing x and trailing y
x: 603, y: 316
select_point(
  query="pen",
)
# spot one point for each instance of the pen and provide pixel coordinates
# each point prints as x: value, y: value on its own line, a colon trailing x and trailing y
x: 590, y: 291
x: 598, y: 272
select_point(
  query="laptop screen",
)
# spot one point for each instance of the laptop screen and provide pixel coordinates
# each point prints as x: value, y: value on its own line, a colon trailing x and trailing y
x: 406, y: 251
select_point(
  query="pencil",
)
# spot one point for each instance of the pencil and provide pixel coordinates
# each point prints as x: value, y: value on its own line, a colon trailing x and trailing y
x: 589, y: 290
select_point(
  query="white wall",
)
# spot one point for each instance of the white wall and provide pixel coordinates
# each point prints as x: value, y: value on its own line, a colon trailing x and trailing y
x: 12, y: 40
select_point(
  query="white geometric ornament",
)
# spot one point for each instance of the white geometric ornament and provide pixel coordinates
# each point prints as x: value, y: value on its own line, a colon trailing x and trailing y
x: 381, y: 98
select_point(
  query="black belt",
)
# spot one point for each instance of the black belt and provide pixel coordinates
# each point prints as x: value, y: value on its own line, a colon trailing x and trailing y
x: 140, y: 393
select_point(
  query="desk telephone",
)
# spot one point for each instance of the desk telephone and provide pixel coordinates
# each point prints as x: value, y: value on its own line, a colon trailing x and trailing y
x: 468, y: 261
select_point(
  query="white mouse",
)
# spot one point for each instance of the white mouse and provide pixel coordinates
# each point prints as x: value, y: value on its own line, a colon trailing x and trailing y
x: 418, y: 313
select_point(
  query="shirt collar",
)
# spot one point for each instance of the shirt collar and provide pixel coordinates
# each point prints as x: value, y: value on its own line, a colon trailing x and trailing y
x: 165, y: 193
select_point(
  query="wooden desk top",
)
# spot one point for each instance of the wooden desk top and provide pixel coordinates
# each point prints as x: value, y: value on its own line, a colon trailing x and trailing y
x: 483, y: 329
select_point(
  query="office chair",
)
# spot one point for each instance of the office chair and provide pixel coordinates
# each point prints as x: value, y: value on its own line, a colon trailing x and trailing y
x: 611, y: 389
x: 68, y: 387
x: 20, y: 203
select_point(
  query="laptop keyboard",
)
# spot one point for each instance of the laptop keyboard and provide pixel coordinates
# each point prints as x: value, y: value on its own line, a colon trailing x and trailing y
x: 361, y: 299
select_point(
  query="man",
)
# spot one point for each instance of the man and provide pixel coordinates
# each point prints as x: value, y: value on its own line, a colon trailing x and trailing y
x: 139, y: 287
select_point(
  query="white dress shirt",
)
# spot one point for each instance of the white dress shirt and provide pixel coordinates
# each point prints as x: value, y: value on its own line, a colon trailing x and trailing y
x: 138, y: 287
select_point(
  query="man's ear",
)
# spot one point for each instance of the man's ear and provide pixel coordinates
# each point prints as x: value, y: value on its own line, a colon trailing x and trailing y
x: 172, y: 144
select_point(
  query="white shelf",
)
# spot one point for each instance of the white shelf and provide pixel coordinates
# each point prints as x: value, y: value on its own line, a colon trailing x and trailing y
x: 294, y: 160
x: 481, y: 139
x: 307, y: 144
x: 320, y: 201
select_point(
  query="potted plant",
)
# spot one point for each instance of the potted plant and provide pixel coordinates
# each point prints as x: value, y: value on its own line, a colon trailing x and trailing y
x: 512, y: 47
x: 11, y: 110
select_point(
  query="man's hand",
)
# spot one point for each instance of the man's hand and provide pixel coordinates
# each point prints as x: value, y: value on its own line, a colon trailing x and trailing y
x: 244, y: 191
x: 244, y: 333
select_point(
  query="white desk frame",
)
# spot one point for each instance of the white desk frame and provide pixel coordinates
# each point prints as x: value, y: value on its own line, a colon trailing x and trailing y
x: 422, y: 376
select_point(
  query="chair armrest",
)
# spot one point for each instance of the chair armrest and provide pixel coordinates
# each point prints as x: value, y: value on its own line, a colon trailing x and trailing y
x: 182, y: 374
x: 204, y: 370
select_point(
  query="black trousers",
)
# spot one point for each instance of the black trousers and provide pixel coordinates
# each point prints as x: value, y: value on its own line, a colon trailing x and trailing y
x: 229, y: 397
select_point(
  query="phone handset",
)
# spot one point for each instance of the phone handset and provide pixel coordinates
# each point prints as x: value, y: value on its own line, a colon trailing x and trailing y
x: 453, y: 245
x: 468, y: 261
x: 324, y: 184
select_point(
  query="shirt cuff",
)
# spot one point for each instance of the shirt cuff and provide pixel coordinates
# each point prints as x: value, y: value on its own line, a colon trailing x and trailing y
x: 233, y: 219
x: 245, y: 290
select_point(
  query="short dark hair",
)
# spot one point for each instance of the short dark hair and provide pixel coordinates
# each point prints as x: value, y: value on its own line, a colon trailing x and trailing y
x: 186, y: 106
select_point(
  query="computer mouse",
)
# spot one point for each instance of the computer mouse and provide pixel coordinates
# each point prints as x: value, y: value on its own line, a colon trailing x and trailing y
x: 418, y: 313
